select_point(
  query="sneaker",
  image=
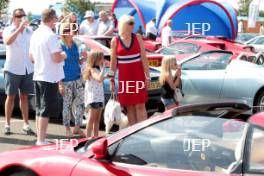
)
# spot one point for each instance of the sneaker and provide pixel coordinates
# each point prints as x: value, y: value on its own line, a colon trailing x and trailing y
x: 7, y: 130
x: 38, y: 143
x: 28, y: 130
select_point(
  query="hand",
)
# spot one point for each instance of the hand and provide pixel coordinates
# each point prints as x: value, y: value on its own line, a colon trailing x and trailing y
x: 23, y: 25
x: 147, y: 84
x: 178, y: 73
x: 63, y: 55
x: 112, y: 86
x: 61, y: 89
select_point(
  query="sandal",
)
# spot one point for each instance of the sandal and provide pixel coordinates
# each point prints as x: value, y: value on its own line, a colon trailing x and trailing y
x: 69, y: 134
x: 79, y: 132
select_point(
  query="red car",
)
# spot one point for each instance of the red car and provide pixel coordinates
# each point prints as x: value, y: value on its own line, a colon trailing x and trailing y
x: 239, y: 49
x: 201, y: 139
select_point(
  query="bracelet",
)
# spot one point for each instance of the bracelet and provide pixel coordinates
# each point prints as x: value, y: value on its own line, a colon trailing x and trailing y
x: 111, y: 73
x: 147, y: 77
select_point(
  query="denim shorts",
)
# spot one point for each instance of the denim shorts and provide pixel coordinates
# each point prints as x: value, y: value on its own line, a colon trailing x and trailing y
x: 96, y: 105
x: 167, y: 101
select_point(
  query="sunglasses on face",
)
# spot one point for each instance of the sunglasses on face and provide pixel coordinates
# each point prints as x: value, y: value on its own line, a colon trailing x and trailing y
x: 19, y: 16
x: 131, y: 23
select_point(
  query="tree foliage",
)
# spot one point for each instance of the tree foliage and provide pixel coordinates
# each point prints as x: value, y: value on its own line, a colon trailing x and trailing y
x: 78, y: 6
x: 3, y: 6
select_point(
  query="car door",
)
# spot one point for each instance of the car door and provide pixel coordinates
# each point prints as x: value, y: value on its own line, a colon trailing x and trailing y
x: 202, y: 76
x: 254, y: 153
x: 160, y: 149
x: 259, y: 44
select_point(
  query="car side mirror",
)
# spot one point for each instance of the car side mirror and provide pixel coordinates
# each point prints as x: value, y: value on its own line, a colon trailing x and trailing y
x: 99, y: 149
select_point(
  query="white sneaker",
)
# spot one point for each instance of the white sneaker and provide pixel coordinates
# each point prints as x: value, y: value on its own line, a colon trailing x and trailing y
x: 39, y: 143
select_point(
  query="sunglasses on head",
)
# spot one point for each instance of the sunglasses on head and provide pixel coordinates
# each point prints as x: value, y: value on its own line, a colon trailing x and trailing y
x: 131, y: 23
x: 19, y: 16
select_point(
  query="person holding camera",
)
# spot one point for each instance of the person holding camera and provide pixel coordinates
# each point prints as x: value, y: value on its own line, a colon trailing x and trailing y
x: 169, y: 82
x: 18, y: 69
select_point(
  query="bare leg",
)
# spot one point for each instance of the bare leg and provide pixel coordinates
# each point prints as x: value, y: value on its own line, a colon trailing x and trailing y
x: 9, y: 106
x: 131, y: 115
x: 37, y: 125
x: 141, y: 112
x: 43, y: 126
x: 90, y: 123
x: 97, y: 122
x: 23, y: 103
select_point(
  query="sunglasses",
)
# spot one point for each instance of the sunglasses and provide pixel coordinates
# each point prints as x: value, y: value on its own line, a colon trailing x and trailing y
x: 131, y: 23
x: 19, y: 16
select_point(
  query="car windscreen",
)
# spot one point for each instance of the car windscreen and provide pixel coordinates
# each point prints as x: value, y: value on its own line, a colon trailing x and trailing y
x: 180, y: 48
x: 192, y: 142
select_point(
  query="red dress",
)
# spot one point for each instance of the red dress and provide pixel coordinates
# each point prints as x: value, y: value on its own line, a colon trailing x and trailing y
x: 131, y: 76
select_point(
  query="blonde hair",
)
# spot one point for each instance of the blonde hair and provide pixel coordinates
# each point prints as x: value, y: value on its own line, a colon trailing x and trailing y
x: 166, y: 66
x: 93, y: 58
x: 123, y: 22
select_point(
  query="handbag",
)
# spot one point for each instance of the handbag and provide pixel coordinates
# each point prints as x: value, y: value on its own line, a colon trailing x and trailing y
x: 112, y: 112
x: 178, y: 95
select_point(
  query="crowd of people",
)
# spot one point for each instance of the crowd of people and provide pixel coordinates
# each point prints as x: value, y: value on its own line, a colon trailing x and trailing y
x: 49, y: 59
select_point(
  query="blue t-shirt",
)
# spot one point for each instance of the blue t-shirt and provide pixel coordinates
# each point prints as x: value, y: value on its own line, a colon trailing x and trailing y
x: 72, y: 70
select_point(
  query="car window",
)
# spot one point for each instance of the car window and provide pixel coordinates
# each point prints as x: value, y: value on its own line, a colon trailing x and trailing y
x: 208, y: 61
x: 252, y: 41
x: 256, y: 159
x: 180, y: 48
x: 260, y: 41
x: 185, y: 142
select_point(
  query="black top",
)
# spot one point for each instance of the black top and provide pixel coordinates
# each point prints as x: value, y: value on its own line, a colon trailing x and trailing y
x: 166, y: 91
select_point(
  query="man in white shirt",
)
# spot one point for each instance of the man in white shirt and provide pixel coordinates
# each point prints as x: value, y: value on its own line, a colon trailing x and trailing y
x: 89, y: 26
x: 166, y: 34
x: 106, y: 26
x: 48, y: 58
x: 18, y: 69
x: 151, y: 30
x: 261, y: 29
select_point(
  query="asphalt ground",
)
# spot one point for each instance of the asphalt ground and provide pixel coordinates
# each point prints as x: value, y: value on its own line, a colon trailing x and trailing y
x: 18, y: 139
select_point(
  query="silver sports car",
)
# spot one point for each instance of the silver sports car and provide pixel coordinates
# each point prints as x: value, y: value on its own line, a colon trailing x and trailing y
x: 217, y: 75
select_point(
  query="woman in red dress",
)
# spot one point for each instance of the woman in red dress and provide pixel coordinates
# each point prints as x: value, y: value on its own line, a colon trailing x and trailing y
x: 128, y: 55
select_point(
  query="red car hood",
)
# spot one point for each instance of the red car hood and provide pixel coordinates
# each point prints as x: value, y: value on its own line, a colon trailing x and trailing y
x: 44, y: 160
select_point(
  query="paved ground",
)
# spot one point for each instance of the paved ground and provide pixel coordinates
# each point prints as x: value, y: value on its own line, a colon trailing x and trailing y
x: 19, y: 139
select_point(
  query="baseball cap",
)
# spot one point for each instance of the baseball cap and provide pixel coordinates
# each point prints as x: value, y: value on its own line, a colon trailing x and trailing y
x: 89, y: 13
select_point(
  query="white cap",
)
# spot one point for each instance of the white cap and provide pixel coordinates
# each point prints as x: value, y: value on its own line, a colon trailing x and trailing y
x: 89, y: 13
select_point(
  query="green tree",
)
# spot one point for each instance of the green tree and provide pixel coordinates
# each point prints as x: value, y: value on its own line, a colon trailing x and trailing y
x: 78, y: 6
x: 261, y: 13
x: 244, y: 7
x: 3, y: 6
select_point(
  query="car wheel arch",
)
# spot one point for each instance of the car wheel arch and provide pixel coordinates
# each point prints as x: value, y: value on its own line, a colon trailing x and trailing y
x: 256, y: 97
x: 14, y: 169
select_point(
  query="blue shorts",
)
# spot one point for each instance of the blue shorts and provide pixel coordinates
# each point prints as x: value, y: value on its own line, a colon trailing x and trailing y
x: 96, y: 105
x: 167, y: 101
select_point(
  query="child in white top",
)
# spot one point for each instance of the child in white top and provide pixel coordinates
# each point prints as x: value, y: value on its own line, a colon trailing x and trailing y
x: 94, y: 91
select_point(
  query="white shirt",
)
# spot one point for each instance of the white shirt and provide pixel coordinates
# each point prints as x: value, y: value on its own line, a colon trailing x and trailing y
x: 17, y: 53
x: 43, y: 44
x: 94, y: 91
x: 240, y: 27
x: 151, y: 28
x: 261, y: 30
x: 89, y: 29
x: 104, y: 27
x: 166, y: 33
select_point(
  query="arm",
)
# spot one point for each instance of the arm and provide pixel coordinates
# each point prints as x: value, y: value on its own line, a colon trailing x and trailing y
x: 113, y: 61
x: 31, y: 58
x: 97, y: 76
x: 110, y: 30
x: 143, y: 56
x: 59, y: 57
x: 12, y: 37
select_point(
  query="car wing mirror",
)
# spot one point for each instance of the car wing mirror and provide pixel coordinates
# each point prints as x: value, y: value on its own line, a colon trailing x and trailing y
x: 99, y: 149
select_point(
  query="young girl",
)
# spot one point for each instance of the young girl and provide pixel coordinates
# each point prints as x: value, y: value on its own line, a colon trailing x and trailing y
x: 169, y: 81
x: 94, y: 91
